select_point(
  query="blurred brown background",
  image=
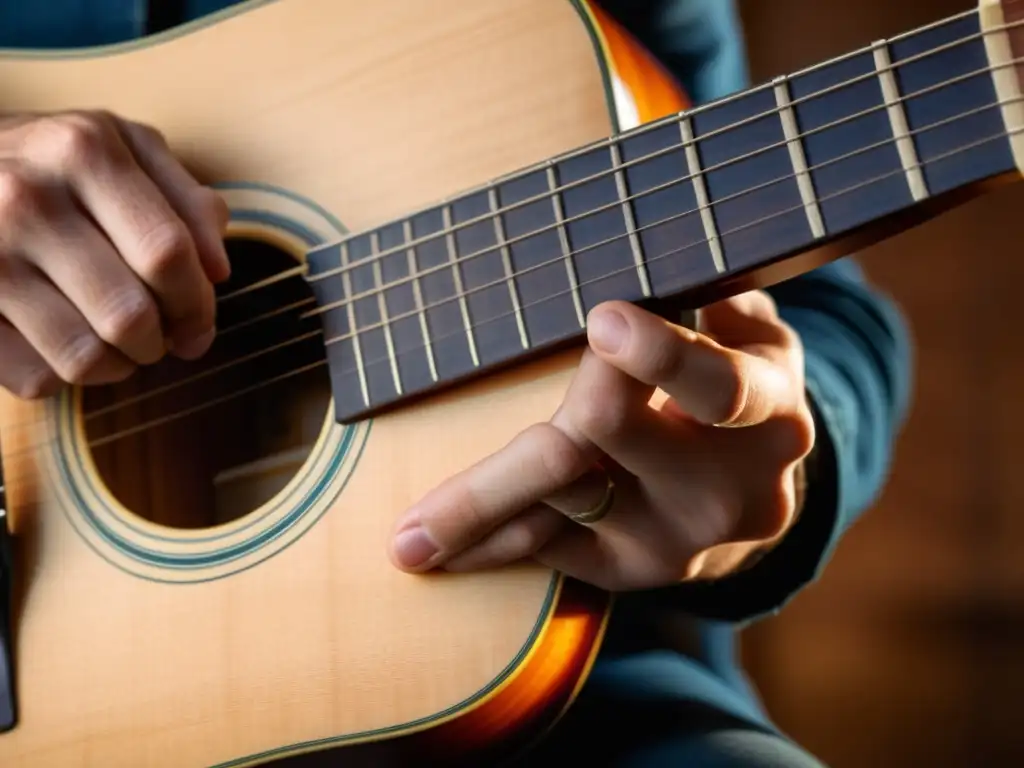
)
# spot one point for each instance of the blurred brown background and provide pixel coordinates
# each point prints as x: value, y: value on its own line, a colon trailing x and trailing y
x: 909, y: 651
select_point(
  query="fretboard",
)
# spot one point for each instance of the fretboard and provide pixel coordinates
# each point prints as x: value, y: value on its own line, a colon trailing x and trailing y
x: 677, y: 209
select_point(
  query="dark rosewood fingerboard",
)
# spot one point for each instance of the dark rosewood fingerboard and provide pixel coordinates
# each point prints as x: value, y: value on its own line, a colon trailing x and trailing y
x: 669, y: 209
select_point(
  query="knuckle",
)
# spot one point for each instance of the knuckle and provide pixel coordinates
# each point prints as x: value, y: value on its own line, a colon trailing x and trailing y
x: 147, y: 134
x: 165, y: 247
x: 126, y: 313
x: 78, y: 357
x: 19, y: 199
x: 465, y: 525
x: 794, y: 436
x: 598, y: 418
x: 662, y: 362
x: 523, y: 538
x: 77, y: 141
x: 787, y: 336
x: 732, y: 392
x: 35, y: 384
x: 558, y: 456
x: 765, y: 302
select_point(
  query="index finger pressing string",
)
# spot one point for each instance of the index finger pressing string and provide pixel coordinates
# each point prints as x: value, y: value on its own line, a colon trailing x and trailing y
x: 467, y: 507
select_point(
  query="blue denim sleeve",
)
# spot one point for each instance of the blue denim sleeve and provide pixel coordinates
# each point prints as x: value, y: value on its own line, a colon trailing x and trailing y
x: 858, y: 350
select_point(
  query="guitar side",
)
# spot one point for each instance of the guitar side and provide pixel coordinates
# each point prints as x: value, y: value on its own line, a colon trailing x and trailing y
x: 555, y: 76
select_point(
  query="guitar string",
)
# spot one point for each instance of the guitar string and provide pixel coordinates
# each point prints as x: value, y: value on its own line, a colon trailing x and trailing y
x: 188, y: 380
x: 676, y: 251
x: 664, y: 122
x: 555, y: 191
x: 30, y: 445
x: 456, y: 260
x: 551, y: 194
x: 562, y: 258
x: 377, y: 361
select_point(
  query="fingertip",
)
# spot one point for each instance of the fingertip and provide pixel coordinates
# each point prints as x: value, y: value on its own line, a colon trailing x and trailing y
x: 607, y: 329
x: 412, y: 549
x: 216, y: 263
x: 190, y: 346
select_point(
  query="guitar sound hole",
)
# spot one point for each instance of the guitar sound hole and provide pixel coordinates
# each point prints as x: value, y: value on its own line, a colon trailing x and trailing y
x: 197, y: 444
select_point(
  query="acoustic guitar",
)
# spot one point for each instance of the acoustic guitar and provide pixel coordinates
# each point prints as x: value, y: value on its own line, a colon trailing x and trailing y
x: 427, y: 199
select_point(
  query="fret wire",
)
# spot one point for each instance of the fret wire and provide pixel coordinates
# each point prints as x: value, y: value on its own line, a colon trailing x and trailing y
x: 653, y: 125
x: 898, y: 121
x: 794, y: 143
x: 275, y: 379
x: 506, y: 262
x: 382, y: 306
x: 707, y: 216
x: 768, y: 217
x: 417, y: 294
x: 453, y: 262
x: 727, y: 198
x: 346, y: 287
x: 563, y: 241
x: 752, y: 154
x: 1005, y: 80
x: 839, y: 193
x: 628, y: 219
x: 1012, y: 133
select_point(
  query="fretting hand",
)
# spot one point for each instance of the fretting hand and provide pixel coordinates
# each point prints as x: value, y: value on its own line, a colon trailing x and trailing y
x: 109, y: 250
x: 673, y: 456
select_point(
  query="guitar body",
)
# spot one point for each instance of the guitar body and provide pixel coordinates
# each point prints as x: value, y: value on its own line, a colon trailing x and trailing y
x: 213, y: 589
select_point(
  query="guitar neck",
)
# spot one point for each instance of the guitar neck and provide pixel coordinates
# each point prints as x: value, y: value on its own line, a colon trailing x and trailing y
x: 739, y: 193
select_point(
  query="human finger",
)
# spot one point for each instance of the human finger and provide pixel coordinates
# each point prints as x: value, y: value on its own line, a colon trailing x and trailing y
x: 200, y: 207
x: 24, y: 373
x: 516, y: 540
x: 58, y: 331
x: 65, y: 246
x: 468, y: 506
x: 713, y: 384
x: 87, y: 151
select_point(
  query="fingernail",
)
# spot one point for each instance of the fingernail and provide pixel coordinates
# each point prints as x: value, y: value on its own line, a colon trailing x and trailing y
x: 413, y: 547
x: 607, y: 331
x: 193, y: 347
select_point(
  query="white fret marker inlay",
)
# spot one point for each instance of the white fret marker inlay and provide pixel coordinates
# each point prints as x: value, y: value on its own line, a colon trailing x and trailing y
x: 417, y: 294
x: 453, y: 258
x: 627, y: 215
x: 563, y: 239
x: 797, y: 159
x: 707, y: 216
x: 346, y: 285
x: 898, y: 121
x: 506, y: 261
x: 382, y: 306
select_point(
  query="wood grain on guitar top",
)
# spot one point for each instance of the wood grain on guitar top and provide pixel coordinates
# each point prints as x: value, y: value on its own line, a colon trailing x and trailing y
x: 212, y: 588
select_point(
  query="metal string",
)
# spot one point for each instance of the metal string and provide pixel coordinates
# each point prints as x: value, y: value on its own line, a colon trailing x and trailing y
x: 549, y: 195
x: 377, y: 361
x: 673, y: 119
